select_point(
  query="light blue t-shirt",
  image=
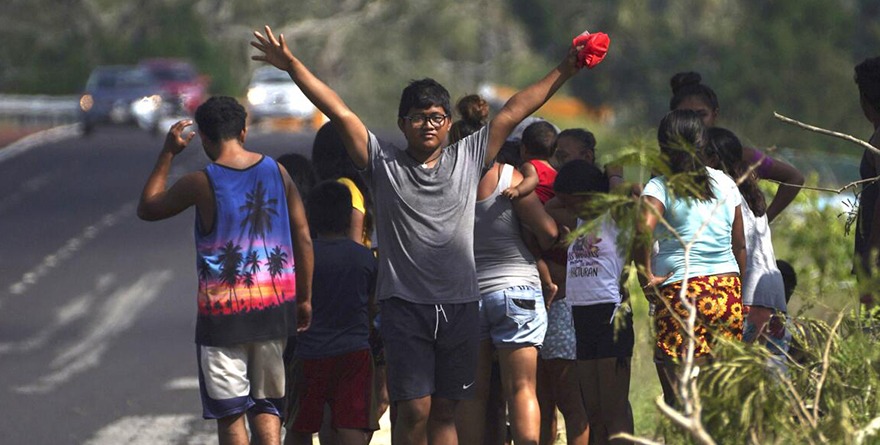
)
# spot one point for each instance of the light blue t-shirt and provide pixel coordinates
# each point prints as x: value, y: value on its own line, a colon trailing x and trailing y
x: 706, y: 223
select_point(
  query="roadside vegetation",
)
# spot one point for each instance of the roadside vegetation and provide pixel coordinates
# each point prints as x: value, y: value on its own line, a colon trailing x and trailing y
x: 830, y: 392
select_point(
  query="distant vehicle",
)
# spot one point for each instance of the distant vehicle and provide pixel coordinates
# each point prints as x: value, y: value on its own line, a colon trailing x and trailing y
x: 120, y: 95
x: 271, y: 93
x: 181, y: 83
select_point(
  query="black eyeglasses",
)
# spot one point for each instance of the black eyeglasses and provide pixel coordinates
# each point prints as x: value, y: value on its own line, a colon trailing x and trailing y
x: 419, y: 120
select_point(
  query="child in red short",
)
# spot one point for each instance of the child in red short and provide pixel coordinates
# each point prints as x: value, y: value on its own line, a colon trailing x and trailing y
x: 332, y: 362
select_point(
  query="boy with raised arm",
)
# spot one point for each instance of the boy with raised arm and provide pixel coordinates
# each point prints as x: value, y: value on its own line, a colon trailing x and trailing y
x: 424, y: 198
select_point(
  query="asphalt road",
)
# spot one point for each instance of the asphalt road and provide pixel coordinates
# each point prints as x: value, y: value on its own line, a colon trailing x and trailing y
x: 97, y: 308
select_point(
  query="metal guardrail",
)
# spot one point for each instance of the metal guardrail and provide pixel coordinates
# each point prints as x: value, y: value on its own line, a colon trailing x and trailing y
x: 39, y: 110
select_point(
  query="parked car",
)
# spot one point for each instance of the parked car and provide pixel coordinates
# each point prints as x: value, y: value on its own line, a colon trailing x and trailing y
x: 271, y: 93
x: 180, y: 82
x: 120, y: 95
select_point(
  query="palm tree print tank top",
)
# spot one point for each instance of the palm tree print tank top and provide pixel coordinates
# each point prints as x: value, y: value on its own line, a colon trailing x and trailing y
x: 245, y: 261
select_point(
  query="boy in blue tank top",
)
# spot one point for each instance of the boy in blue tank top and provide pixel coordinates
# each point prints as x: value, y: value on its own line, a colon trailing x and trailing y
x: 254, y: 263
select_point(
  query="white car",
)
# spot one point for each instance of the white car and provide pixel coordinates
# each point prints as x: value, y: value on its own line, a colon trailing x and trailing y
x: 271, y: 93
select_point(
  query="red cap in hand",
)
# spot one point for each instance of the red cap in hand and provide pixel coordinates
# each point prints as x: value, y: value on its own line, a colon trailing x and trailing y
x: 595, y: 46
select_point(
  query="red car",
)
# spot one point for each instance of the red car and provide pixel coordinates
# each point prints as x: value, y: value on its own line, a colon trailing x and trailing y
x: 179, y: 81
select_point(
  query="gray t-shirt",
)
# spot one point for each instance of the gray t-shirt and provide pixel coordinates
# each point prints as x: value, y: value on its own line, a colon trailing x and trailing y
x: 425, y: 220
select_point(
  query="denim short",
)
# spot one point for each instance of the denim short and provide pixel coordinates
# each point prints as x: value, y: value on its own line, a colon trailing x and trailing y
x: 513, y: 317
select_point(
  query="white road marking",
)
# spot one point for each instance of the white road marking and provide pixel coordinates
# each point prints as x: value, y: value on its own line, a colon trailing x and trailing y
x: 69, y: 248
x: 118, y: 313
x: 40, y: 138
x: 72, y: 311
x: 75, y: 309
x: 183, y: 383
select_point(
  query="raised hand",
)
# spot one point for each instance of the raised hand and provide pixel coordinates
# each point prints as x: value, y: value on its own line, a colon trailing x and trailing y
x: 176, y: 140
x: 595, y: 47
x: 571, y: 64
x: 274, y: 51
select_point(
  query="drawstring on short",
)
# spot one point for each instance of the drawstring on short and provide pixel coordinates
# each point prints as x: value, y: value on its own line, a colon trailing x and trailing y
x: 613, y: 313
x: 439, y: 309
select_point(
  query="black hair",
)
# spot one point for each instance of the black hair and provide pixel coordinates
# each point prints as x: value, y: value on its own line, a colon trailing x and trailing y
x: 421, y: 94
x: 331, y: 162
x: 585, y: 138
x: 580, y: 176
x: 539, y: 139
x: 221, y: 118
x: 867, y: 77
x: 510, y: 152
x: 681, y: 135
x: 789, y: 278
x: 300, y: 170
x: 474, y: 111
x: 689, y: 84
x: 726, y: 145
x: 329, y: 208
x: 329, y: 155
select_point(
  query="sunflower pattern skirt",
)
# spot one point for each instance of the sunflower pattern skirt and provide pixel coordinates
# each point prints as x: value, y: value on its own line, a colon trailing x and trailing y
x: 719, y: 312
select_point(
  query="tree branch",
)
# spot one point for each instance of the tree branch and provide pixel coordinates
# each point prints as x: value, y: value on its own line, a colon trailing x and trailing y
x: 691, y: 424
x: 825, y: 364
x: 819, y: 130
x: 634, y: 439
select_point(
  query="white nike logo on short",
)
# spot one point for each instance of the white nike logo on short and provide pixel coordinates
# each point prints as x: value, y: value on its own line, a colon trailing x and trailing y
x: 468, y: 385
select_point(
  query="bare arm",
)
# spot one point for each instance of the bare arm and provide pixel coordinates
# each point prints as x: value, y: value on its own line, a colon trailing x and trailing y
x: 353, y: 132
x: 157, y: 202
x: 527, y: 185
x: 532, y: 215
x: 527, y: 101
x: 303, y: 255
x: 738, y: 242
x: 789, y: 177
x: 356, y: 229
x: 651, y: 212
x: 560, y: 212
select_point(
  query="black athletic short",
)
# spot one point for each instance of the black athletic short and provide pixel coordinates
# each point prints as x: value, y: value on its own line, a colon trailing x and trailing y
x: 430, y: 350
x: 596, y: 334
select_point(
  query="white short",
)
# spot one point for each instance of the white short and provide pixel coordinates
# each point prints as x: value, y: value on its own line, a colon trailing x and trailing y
x: 238, y: 378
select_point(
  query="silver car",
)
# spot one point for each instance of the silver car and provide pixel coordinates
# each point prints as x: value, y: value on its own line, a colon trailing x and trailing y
x: 271, y: 93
